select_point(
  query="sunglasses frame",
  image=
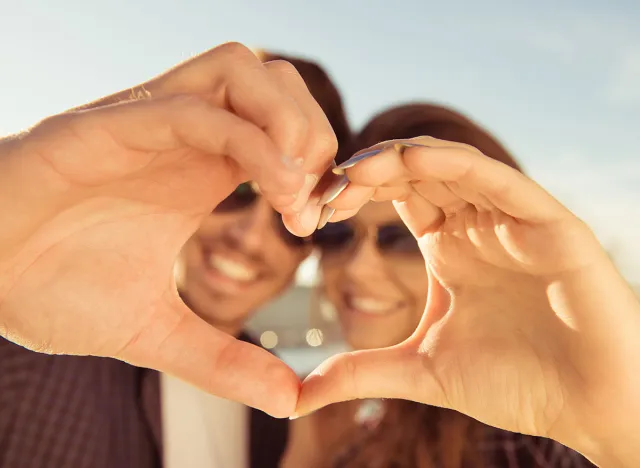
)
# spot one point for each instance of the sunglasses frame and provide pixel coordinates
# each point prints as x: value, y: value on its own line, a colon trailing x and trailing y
x: 359, y: 234
x: 287, y: 237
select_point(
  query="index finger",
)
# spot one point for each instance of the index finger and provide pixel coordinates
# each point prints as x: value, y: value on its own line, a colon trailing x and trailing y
x: 318, y: 145
x: 506, y: 188
x: 230, y: 77
x: 233, y: 78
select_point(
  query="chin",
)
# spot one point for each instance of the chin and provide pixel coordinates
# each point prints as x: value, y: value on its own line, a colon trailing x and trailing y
x: 359, y: 342
x: 228, y: 325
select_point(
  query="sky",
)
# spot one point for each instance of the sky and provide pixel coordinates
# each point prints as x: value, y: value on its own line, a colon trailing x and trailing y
x: 558, y: 82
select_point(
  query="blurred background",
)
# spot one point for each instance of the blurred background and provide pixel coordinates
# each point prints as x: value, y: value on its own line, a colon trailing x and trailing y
x: 558, y: 82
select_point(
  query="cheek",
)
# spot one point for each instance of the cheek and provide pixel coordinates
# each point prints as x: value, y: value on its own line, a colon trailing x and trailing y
x: 285, y: 260
x: 416, y: 283
x: 330, y: 281
x: 190, y: 255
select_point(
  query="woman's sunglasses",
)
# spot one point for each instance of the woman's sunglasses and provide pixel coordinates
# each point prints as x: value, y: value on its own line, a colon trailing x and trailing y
x: 391, y: 239
x: 244, y: 197
x: 334, y: 237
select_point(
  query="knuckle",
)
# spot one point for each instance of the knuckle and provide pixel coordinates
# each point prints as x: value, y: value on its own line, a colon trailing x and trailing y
x: 286, y: 117
x: 469, y: 148
x: 207, y: 72
x: 54, y: 123
x: 282, y: 66
x: 279, y: 375
x: 325, y: 141
x: 182, y: 107
x: 233, y: 51
x: 501, y: 189
x: 423, y: 139
x: 185, y: 101
x: 57, y: 130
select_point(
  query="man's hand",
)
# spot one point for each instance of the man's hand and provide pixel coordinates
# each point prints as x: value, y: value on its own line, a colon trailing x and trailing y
x: 96, y: 203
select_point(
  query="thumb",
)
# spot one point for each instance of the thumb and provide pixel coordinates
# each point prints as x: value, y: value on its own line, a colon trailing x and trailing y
x: 181, y: 344
x: 397, y: 372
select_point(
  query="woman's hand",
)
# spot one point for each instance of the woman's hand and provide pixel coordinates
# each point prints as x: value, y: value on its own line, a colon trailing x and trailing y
x: 528, y: 325
x: 96, y: 203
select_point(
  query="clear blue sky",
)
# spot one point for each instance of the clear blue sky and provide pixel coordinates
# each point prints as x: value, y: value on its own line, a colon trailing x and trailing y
x: 558, y: 82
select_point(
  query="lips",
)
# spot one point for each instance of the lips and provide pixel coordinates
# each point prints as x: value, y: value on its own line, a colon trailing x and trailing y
x: 372, y: 306
x: 232, y: 269
x: 227, y: 274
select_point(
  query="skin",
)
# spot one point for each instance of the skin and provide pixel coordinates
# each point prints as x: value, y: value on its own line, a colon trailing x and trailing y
x: 363, y: 272
x: 262, y: 265
x: 98, y: 202
x: 398, y: 284
x: 528, y: 325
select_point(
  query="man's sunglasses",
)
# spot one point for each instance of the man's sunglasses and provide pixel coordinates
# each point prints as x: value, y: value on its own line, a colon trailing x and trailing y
x: 393, y: 238
x: 243, y: 197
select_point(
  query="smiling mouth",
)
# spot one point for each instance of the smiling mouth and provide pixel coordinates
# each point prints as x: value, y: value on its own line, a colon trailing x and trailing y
x: 372, y: 306
x: 231, y: 269
x: 227, y: 275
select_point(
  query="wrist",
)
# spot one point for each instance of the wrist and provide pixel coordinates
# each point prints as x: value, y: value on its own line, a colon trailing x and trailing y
x: 619, y: 454
x: 600, y: 420
x: 608, y: 444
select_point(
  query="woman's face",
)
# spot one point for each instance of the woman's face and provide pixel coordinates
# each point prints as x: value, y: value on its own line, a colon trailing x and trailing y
x: 237, y: 260
x: 378, y: 281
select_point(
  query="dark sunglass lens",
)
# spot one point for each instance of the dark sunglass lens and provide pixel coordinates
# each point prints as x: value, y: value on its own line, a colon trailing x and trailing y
x: 242, y: 197
x: 397, y: 239
x: 333, y: 237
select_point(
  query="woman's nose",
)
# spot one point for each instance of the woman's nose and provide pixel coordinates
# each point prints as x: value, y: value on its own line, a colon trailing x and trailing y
x: 365, y: 262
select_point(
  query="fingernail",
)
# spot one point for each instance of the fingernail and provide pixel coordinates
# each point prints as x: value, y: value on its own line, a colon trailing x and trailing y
x: 334, y: 190
x: 355, y: 160
x: 310, y: 215
x: 325, y: 216
x: 310, y: 182
x: 294, y: 416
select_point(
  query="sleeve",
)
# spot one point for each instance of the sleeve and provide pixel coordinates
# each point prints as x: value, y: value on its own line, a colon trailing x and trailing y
x: 513, y: 450
x: 15, y: 372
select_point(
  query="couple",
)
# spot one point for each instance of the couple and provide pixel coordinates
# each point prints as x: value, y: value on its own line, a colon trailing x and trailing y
x: 527, y: 326
x: 76, y: 412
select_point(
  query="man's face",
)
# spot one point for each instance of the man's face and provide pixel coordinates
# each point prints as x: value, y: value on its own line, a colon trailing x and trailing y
x: 239, y: 259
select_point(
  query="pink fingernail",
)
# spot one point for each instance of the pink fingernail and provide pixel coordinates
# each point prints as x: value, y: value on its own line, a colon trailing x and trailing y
x: 353, y: 160
x: 325, y: 215
x: 334, y: 190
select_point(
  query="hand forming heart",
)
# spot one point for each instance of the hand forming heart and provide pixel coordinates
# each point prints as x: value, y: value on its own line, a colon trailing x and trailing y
x: 528, y: 326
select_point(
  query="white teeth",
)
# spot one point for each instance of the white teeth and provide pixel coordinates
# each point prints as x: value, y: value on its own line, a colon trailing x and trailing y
x: 234, y: 270
x: 371, y: 306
